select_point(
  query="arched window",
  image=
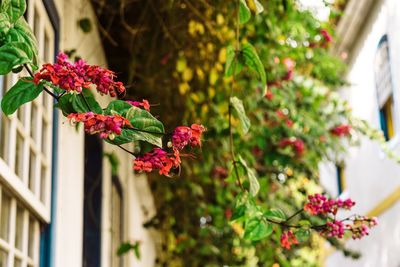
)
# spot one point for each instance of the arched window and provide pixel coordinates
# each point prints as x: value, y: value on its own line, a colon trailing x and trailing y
x: 384, y: 87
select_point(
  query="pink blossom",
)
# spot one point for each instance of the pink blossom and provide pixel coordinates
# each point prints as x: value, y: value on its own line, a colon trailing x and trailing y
x: 75, y: 77
x: 184, y: 136
x: 319, y: 204
x: 144, y: 104
x: 334, y: 229
x: 157, y: 159
x: 288, y: 239
x: 341, y: 130
x: 105, y: 125
x: 328, y: 38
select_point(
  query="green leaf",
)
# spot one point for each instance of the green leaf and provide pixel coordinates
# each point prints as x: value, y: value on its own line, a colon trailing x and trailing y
x: 251, y: 174
x: 14, y: 8
x: 11, y: 55
x: 118, y: 106
x: 142, y: 120
x: 126, y: 247
x: 237, y: 104
x: 65, y: 104
x: 233, y: 66
x: 257, y: 229
x: 5, y: 24
x: 252, y: 60
x: 26, y: 36
x: 91, y: 100
x: 244, y: 12
x: 22, y: 92
x: 276, y: 215
x: 238, y: 212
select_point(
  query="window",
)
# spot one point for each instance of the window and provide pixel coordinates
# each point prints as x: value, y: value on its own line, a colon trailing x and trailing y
x: 25, y: 160
x: 341, y: 182
x: 384, y: 87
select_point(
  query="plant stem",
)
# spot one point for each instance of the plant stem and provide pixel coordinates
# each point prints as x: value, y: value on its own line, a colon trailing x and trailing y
x: 126, y: 150
x: 231, y: 143
x: 294, y: 215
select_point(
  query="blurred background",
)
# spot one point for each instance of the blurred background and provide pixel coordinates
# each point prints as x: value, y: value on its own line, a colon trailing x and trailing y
x: 71, y: 200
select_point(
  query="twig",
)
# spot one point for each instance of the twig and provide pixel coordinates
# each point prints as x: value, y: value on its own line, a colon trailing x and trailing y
x: 44, y: 87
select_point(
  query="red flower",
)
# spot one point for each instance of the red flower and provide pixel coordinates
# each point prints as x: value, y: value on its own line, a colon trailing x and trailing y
x: 106, y: 126
x: 334, y: 229
x: 157, y: 159
x: 184, y: 136
x: 144, y: 104
x: 319, y: 204
x: 74, y: 77
x: 328, y: 38
x: 296, y: 143
x: 341, y: 130
x: 288, y: 239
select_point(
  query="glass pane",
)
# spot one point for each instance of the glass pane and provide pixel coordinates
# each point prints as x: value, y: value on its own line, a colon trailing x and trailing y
x: 19, y: 155
x: 19, y: 227
x: 5, y: 217
x: 32, y: 170
x: 34, y: 119
x: 17, y: 262
x: 3, y: 258
x: 43, y: 175
x: 31, y: 238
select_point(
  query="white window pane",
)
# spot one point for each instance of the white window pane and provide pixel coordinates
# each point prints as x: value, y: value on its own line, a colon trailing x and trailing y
x: 3, y: 258
x: 19, y: 228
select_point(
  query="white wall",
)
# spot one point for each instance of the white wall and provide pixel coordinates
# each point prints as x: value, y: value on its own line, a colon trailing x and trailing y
x: 370, y: 176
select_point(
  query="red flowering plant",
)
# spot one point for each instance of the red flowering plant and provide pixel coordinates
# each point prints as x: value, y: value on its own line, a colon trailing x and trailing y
x: 72, y: 86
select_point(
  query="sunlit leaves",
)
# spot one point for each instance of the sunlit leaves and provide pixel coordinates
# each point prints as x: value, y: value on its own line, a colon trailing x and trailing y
x: 233, y: 64
x: 14, y: 8
x: 255, y: 6
x: 275, y: 215
x: 237, y: 105
x: 257, y: 228
x: 22, y: 92
x: 244, y: 12
x: 254, y: 185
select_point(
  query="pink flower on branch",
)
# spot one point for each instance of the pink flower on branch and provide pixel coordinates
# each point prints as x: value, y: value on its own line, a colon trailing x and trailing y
x: 106, y: 125
x: 341, y: 130
x: 184, y: 135
x: 157, y: 159
x: 319, y: 204
x: 74, y: 77
x: 144, y: 104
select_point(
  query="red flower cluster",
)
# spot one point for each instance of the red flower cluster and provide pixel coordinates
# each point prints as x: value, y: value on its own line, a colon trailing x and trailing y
x: 334, y: 229
x: 327, y: 37
x: 106, y: 126
x: 157, y: 159
x: 184, y: 136
x: 341, y: 130
x: 361, y: 226
x: 296, y: 143
x: 144, y: 104
x: 288, y: 239
x: 74, y: 77
x: 319, y: 204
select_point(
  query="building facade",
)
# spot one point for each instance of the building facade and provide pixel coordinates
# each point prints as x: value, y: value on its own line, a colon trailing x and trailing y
x: 60, y: 202
x: 368, y: 37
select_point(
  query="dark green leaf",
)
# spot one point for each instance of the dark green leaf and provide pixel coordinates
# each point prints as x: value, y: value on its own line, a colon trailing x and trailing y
x: 276, y: 215
x: 11, y: 55
x: 244, y: 12
x: 126, y: 247
x: 257, y: 229
x: 117, y: 106
x: 252, y: 60
x: 22, y: 92
x: 14, y: 8
x: 251, y: 174
x: 237, y: 104
x: 65, y: 104
x: 85, y: 24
